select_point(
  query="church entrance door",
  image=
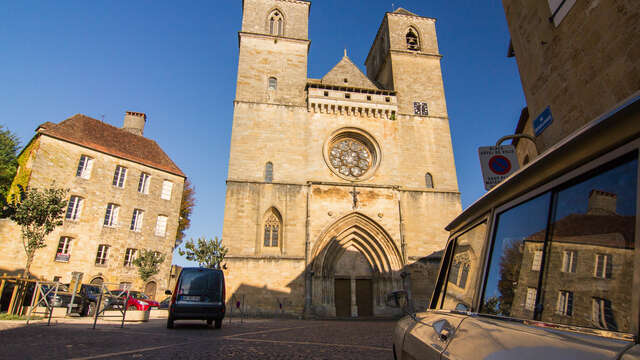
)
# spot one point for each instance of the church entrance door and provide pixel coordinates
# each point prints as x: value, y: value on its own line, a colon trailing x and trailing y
x: 343, y: 297
x: 364, y: 297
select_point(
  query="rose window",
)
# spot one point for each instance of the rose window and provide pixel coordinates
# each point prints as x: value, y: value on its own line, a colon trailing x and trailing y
x: 350, y: 157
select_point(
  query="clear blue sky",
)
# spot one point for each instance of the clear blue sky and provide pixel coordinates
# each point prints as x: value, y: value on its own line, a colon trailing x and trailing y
x: 177, y: 61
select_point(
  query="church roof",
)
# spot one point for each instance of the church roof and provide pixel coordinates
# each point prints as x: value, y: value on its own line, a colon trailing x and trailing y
x: 346, y: 73
x: 94, y: 134
x: 402, y: 11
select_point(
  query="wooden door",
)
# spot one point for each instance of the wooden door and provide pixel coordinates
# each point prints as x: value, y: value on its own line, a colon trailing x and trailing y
x: 150, y: 290
x: 364, y: 297
x: 343, y: 297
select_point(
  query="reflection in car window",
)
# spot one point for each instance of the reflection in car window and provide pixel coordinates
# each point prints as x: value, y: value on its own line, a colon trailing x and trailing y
x: 514, y: 228
x: 589, y: 267
x: 464, y: 269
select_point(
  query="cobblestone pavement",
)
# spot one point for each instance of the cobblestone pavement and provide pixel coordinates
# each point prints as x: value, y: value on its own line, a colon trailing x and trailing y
x: 253, y: 339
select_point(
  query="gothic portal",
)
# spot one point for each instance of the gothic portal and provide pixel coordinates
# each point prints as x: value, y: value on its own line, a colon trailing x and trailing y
x: 336, y: 185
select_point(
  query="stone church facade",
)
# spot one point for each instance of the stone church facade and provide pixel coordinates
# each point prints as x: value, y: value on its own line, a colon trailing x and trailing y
x: 336, y: 186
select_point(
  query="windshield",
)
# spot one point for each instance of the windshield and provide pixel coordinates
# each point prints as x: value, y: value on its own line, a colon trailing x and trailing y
x: 138, y: 295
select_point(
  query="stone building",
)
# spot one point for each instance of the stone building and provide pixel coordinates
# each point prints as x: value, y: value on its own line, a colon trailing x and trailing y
x: 578, y: 59
x: 336, y: 186
x: 124, y: 196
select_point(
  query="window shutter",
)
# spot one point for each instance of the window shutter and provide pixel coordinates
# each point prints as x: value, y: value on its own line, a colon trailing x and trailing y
x: 89, y: 166
x: 609, y: 266
x: 114, y: 215
x: 81, y: 166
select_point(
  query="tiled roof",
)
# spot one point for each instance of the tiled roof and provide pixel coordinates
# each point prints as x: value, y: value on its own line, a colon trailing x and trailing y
x: 593, y: 230
x: 94, y: 134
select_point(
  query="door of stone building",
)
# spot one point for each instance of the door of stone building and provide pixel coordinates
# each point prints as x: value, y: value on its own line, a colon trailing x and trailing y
x: 150, y: 290
x: 364, y: 297
x: 343, y: 297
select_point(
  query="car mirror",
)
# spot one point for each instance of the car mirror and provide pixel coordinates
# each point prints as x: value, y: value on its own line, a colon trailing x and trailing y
x: 167, y: 292
x: 397, y: 299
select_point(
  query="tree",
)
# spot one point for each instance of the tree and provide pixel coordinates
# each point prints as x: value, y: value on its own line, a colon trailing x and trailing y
x: 38, y: 213
x: 207, y: 253
x: 186, y: 207
x: 148, y: 263
x: 9, y: 145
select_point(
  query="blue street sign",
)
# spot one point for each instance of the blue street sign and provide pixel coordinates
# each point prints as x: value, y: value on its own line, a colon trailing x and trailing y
x: 542, y: 121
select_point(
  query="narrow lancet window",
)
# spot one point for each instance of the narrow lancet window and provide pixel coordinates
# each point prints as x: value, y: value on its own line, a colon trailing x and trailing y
x: 272, y: 225
x: 268, y: 172
x: 428, y: 181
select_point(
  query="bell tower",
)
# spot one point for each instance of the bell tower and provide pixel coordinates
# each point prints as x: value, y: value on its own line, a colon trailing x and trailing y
x: 405, y: 58
x: 274, y: 45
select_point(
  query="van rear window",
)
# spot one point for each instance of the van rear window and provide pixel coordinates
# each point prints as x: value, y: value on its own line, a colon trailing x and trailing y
x: 195, y: 282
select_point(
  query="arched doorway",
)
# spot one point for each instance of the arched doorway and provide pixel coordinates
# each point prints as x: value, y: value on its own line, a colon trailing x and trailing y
x: 150, y: 289
x: 355, y: 264
x: 96, y: 281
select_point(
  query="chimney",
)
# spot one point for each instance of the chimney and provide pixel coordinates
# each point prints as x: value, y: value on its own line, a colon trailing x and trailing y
x: 134, y: 122
x: 602, y: 203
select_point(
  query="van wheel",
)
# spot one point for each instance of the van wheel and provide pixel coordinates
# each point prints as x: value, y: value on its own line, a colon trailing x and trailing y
x: 170, y: 322
x: 218, y: 323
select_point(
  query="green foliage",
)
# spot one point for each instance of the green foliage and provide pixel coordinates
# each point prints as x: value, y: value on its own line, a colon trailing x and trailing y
x: 186, y: 207
x: 510, y: 263
x: 9, y: 145
x: 23, y: 174
x: 6, y: 316
x: 207, y: 253
x: 38, y: 213
x: 148, y: 263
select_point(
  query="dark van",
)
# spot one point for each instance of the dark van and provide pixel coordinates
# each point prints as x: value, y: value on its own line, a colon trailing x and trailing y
x: 199, y: 295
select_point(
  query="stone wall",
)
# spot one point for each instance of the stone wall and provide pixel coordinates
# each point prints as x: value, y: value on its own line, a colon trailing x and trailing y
x: 580, y: 68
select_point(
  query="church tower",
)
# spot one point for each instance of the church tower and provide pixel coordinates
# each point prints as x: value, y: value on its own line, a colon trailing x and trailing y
x: 336, y: 185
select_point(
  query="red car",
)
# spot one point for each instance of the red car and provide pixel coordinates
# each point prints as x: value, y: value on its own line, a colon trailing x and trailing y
x: 137, y: 300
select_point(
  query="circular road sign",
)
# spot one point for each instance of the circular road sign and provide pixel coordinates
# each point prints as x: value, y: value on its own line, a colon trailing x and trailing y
x: 500, y: 165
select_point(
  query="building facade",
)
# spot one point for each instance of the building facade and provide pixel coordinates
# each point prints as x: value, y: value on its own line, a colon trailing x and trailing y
x: 124, y: 196
x: 336, y: 186
x: 577, y: 59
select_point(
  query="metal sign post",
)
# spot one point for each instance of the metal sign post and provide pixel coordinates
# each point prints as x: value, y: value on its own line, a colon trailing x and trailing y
x: 497, y: 163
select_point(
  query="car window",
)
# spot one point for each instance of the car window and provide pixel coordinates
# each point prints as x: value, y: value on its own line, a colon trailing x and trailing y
x: 200, y: 283
x: 589, y: 270
x: 515, y: 231
x: 464, y: 268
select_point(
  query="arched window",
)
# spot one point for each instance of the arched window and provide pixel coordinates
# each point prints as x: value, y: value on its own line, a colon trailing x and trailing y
x: 268, y: 172
x: 273, y: 83
x: 276, y: 23
x: 413, y: 43
x: 272, y: 229
x: 428, y: 179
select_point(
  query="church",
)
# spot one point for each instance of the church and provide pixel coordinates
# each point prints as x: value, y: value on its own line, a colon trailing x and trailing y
x: 337, y: 185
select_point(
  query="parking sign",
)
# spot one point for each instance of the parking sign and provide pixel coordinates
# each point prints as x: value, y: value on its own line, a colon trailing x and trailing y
x: 497, y: 163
